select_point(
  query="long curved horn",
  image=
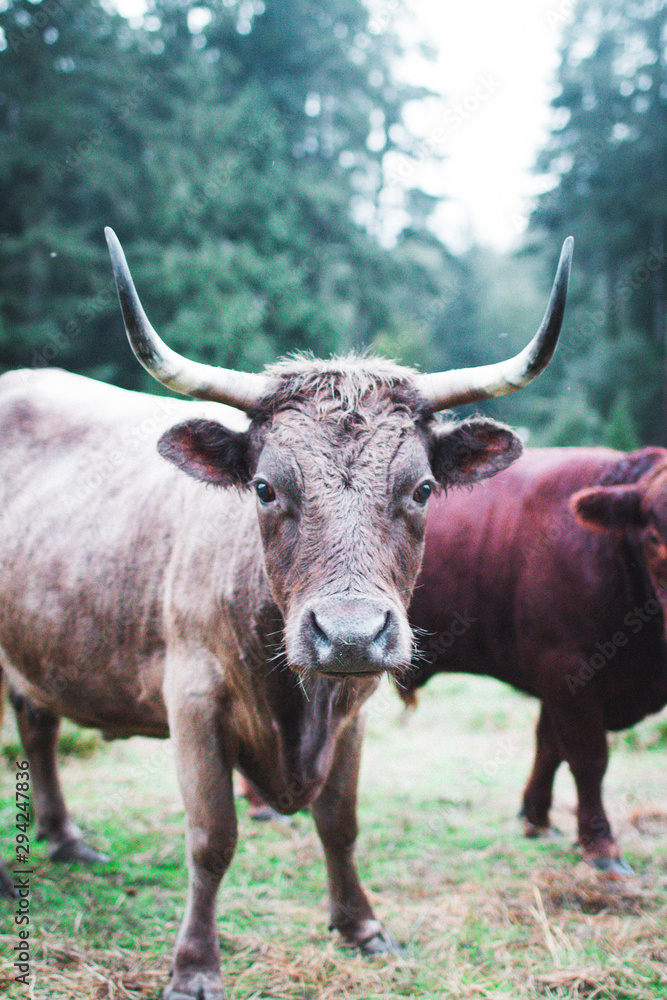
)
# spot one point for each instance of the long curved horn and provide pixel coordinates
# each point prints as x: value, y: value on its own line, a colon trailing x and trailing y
x: 239, y: 389
x: 470, y: 385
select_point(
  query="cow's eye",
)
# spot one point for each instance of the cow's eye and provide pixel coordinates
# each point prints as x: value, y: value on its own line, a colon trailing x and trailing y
x: 653, y: 536
x: 265, y: 492
x: 422, y: 493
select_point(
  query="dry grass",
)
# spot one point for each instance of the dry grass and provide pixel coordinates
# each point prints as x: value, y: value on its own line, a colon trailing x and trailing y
x: 483, y: 913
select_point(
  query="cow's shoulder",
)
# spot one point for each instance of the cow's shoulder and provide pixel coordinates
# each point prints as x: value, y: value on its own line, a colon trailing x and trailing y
x: 630, y: 467
x: 626, y: 495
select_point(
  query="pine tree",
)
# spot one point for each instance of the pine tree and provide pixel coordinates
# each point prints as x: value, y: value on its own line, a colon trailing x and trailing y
x: 63, y: 167
x: 234, y: 148
x: 608, y: 151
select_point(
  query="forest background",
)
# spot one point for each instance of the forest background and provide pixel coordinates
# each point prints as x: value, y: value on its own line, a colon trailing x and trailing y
x: 241, y: 150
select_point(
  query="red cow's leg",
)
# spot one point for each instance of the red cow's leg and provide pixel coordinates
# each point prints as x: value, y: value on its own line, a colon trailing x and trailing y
x: 538, y: 791
x: 258, y: 809
x: 583, y: 738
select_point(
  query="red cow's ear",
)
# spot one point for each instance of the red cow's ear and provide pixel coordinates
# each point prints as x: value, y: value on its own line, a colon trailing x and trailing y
x: 209, y: 452
x: 609, y: 508
x: 474, y: 449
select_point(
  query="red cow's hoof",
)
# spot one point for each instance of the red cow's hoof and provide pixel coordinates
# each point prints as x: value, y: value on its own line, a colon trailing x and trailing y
x: 541, y: 832
x: 77, y: 850
x: 612, y: 867
x: 265, y: 814
x: 381, y: 944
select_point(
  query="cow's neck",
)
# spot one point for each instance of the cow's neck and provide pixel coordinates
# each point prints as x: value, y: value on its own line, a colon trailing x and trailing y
x: 286, y: 741
x: 640, y: 592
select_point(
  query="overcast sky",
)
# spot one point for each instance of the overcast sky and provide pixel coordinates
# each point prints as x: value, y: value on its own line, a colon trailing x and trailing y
x: 496, y: 69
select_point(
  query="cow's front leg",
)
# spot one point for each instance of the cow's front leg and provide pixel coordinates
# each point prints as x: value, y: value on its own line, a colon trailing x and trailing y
x: 39, y: 731
x: 205, y: 777
x: 335, y: 814
x: 583, y: 738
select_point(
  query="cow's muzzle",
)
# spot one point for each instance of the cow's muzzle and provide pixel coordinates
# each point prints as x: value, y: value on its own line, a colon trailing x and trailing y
x: 343, y: 634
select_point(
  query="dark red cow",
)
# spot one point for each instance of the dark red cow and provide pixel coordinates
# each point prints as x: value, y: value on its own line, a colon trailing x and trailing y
x: 553, y: 577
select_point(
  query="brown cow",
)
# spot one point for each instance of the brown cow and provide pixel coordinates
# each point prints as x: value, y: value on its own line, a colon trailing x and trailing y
x: 513, y: 585
x: 137, y: 599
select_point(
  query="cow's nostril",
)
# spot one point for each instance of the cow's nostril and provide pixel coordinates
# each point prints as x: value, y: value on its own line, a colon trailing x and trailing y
x: 384, y: 628
x: 319, y: 632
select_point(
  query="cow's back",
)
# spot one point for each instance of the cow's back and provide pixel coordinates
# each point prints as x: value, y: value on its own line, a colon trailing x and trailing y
x: 89, y: 516
x: 497, y: 557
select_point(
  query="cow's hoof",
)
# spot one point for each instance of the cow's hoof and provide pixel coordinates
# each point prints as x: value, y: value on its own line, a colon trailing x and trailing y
x: 6, y: 885
x: 535, y: 832
x: 265, y: 814
x: 200, y: 986
x: 612, y: 867
x: 381, y: 944
x: 77, y: 850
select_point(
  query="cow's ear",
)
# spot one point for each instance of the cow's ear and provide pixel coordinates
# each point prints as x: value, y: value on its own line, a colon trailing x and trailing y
x: 608, y: 508
x: 472, y: 450
x: 209, y: 452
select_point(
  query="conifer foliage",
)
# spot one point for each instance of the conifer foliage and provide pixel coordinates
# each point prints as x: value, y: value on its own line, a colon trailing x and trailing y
x: 607, y: 160
x: 236, y: 147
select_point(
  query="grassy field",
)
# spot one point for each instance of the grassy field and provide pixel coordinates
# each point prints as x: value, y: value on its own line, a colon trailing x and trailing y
x: 482, y: 912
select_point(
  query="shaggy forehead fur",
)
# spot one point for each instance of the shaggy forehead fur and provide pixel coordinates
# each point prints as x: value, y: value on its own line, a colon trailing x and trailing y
x: 340, y: 388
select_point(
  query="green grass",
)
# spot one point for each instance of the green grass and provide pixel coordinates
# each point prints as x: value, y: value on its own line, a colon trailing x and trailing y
x: 73, y: 742
x: 483, y: 913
